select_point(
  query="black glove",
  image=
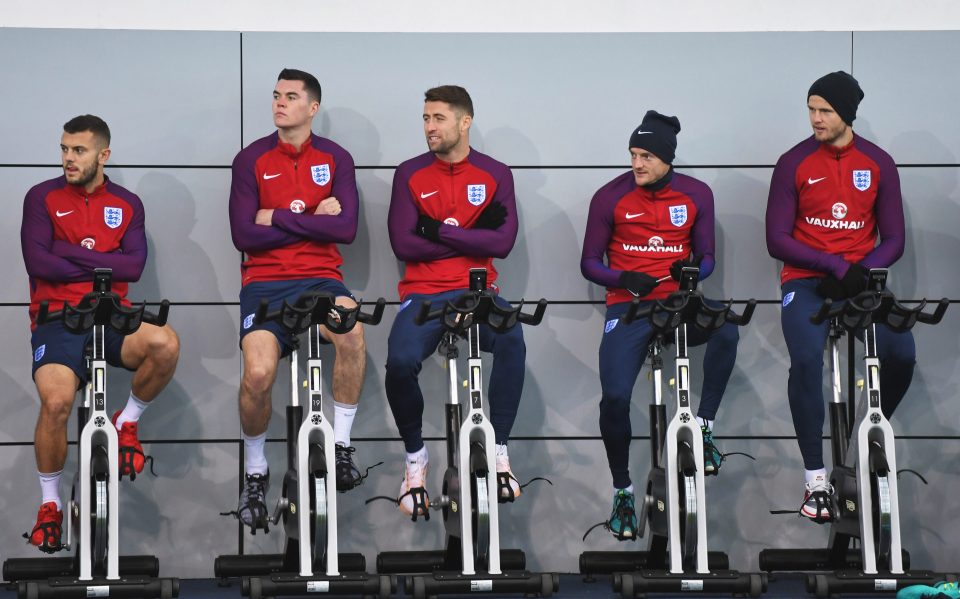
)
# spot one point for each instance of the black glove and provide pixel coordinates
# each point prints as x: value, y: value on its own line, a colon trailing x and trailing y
x: 428, y: 228
x: 830, y: 287
x: 855, y: 281
x: 637, y: 283
x: 677, y: 267
x: 492, y: 217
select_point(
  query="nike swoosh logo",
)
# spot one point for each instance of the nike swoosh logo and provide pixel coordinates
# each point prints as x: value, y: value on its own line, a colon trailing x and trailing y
x: 64, y: 213
x: 629, y: 216
x: 644, y: 132
x: 812, y: 181
x: 267, y: 177
x: 424, y: 196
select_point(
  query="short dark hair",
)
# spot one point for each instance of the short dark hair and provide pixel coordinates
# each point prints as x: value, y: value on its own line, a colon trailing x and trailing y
x: 454, y: 95
x: 91, y: 123
x: 310, y: 83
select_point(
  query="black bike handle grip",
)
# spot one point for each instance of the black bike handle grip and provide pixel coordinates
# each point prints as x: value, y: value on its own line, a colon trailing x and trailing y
x: 824, y: 312
x: 424, y: 314
x: 537, y: 316
x: 744, y: 319
x: 160, y: 318
x: 634, y: 312
x: 937, y: 315
x: 377, y: 314
x: 261, y: 315
x: 43, y: 312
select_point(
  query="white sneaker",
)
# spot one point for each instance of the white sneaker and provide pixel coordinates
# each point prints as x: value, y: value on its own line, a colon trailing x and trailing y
x: 818, y: 493
x: 507, y: 483
x: 414, y: 487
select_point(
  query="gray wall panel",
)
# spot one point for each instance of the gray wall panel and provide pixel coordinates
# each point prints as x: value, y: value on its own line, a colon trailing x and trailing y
x: 170, y: 97
x: 905, y: 77
x: 524, y: 83
x: 542, y: 100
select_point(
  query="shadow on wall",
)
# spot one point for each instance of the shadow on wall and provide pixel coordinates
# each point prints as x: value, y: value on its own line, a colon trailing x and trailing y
x: 168, y: 200
x: 930, y: 219
x: 357, y: 257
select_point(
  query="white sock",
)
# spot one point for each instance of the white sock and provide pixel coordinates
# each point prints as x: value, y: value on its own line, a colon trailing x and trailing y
x: 627, y: 489
x: 816, y: 476
x: 50, y: 487
x: 255, y: 461
x: 342, y: 422
x: 419, y: 455
x: 502, y: 450
x: 705, y: 423
x: 132, y: 411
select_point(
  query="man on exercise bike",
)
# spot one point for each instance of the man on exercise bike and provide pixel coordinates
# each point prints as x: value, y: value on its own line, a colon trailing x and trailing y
x: 650, y: 222
x: 831, y: 196
x: 73, y: 225
x: 293, y: 198
x: 452, y: 209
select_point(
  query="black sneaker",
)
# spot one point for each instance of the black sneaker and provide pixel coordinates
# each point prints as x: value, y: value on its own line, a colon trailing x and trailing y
x: 348, y: 476
x: 252, y: 507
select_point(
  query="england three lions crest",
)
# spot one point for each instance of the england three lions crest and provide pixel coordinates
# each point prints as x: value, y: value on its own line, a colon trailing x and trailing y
x: 678, y: 215
x: 861, y: 180
x: 321, y: 173
x: 476, y: 194
x: 112, y: 217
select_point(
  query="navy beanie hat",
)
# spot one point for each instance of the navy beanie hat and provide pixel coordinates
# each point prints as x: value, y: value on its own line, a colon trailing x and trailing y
x: 657, y: 134
x: 841, y: 91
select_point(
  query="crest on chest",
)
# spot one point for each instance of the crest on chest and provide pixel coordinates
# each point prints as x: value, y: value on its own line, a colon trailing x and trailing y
x: 476, y: 194
x: 861, y: 180
x: 678, y: 215
x: 112, y: 217
x: 320, y: 173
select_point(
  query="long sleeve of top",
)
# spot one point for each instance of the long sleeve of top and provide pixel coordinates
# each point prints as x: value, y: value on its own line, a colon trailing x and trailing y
x: 455, y: 194
x: 647, y: 230
x: 37, y: 241
x: 68, y: 232
x: 247, y: 235
x: 324, y: 228
x: 827, y: 207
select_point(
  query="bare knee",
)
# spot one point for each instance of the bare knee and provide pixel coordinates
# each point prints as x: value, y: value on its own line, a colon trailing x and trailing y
x: 164, y: 347
x: 350, y: 345
x: 55, y: 407
x: 257, y: 379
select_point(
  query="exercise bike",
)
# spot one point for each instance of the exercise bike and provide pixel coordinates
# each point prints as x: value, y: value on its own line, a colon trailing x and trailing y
x: 473, y: 561
x: 673, y: 504
x: 92, y: 515
x: 311, y: 562
x: 866, y: 505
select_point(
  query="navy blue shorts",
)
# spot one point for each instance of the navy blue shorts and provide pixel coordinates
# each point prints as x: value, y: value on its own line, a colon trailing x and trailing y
x: 275, y: 292
x: 53, y: 344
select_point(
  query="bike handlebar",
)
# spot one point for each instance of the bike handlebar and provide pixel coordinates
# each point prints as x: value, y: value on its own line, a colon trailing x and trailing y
x: 479, y: 307
x: 99, y: 308
x: 878, y: 307
x: 688, y: 307
x: 318, y: 307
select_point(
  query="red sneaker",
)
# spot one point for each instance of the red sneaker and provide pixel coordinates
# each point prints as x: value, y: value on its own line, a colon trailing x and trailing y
x: 132, y: 457
x: 46, y: 532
